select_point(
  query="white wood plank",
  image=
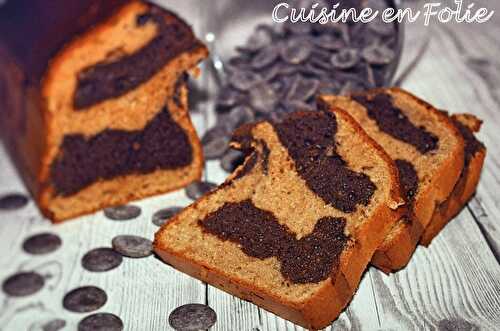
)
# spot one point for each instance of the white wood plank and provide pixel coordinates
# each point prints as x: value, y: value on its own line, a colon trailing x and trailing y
x: 456, y: 280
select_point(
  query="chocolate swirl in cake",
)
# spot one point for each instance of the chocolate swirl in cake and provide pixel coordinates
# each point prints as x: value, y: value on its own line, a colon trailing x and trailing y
x: 162, y: 144
x: 310, y: 141
x: 391, y: 120
x: 310, y: 259
x: 107, y: 80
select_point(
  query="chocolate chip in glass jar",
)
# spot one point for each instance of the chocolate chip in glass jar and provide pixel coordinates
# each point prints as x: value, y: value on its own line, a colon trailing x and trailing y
x: 329, y: 42
x: 196, y: 190
x: 42, y: 243
x: 378, y: 54
x: 229, y: 97
x: 13, y: 201
x: 302, y: 89
x: 85, y: 299
x: 101, y: 322
x: 101, y: 259
x: 265, y: 57
x: 244, y: 80
x: 23, y: 284
x: 122, y: 213
x: 192, y: 317
x: 296, y: 50
x: 164, y: 215
x: 263, y: 98
x: 345, y: 59
x: 132, y: 246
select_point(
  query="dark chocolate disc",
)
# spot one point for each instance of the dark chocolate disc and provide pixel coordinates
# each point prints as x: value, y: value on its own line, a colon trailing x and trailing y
x: 23, y: 284
x: 42, y: 243
x: 13, y: 201
x: 197, y: 189
x: 101, y: 259
x: 231, y: 160
x: 345, y: 58
x: 162, y: 216
x: 122, y: 213
x: 85, y: 299
x: 191, y: 317
x: 101, y: 322
x: 132, y: 246
x: 53, y: 325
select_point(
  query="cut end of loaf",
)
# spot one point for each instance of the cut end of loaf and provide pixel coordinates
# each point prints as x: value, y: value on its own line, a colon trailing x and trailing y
x: 117, y: 119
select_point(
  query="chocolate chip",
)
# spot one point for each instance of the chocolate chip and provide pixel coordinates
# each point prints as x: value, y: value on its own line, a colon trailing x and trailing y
x: 197, y: 189
x: 329, y: 42
x: 229, y: 97
x: 122, y: 213
x: 53, y: 325
x: 192, y: 317
x: 85, y: 299
x: 239, y: 115
x: 263, y: 98
x: 345, y: 58
x: 42, y: 243
x: 101, y: 259
x: 265, y: 57
x: 162, y: 216
x: 23, y: 284
x: 13, y: 201
x: 296, y: 51
x: 231, y: 160
x: 215, y: 143
x: 260, y: 38
x: 302, y: 89
x: 378, y: 54
x: 101, y: 322
x: 132, y: 246
x: 244, y: 80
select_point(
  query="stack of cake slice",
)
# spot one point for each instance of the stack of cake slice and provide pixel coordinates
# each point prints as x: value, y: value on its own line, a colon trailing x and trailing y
x: 320, y: 195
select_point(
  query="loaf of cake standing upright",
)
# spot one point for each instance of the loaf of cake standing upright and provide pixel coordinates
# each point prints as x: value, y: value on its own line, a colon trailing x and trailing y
x: 93, y: 101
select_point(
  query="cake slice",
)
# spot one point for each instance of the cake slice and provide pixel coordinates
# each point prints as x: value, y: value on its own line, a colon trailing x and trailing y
x: 94, y: 110
x: 428, y: 150
x: 475, y: 153
x: 294, y: 227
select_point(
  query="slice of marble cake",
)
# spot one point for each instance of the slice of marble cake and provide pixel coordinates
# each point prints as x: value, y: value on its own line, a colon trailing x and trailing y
x: 294, y: 227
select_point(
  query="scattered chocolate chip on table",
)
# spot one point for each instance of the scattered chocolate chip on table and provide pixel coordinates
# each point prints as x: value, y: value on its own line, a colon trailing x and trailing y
x: 23, y: 284
x: 122, y: 213
x: 13, y: 201
x: 132, y: 246
x: 85, y: 299
x: 196, y: 190
x: 101, y: 259
x: 42, y: 243
x: 162, y: 216
x: 101, y: 322
x: 191, y: 317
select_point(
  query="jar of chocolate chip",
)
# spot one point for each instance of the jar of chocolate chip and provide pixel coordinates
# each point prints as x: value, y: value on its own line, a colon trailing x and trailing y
x: 270, y: 63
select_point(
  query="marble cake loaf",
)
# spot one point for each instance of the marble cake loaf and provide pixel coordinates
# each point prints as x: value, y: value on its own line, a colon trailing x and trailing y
x: 475, y: 153
x: 294, y: 227
x: 94, y: 101
x: 428, y: 150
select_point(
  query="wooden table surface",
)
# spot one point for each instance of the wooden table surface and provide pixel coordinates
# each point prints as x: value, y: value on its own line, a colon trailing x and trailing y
x: 452, y: 285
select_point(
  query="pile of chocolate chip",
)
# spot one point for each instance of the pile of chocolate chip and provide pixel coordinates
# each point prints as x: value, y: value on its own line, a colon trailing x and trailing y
x: 283, y: 67
x: 86, y: 299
